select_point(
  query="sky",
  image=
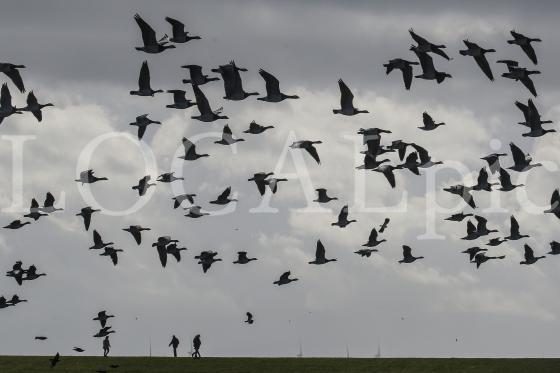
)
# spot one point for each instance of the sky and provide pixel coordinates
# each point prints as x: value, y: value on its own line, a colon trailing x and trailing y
x: 80, y: 56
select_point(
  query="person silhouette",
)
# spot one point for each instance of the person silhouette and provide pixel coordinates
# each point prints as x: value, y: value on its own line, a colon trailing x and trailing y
x: 174, y: 343
x: 196, y: 345
x: 106, y: 346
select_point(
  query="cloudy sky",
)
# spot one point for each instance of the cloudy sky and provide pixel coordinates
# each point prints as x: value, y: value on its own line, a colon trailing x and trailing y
x: 81, y: 57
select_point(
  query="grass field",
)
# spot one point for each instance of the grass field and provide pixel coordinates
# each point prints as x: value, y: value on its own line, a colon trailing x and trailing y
x: 29, y: 364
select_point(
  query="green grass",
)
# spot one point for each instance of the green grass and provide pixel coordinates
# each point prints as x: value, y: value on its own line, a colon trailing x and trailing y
x: 30, y: 364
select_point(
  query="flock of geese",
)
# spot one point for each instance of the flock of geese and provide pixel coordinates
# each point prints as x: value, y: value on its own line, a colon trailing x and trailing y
x: 412, y: 157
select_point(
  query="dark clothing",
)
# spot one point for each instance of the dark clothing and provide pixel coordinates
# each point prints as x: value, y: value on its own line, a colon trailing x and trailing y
x: 196, y: 345
x: 174, y: 343
x: 106, y: 346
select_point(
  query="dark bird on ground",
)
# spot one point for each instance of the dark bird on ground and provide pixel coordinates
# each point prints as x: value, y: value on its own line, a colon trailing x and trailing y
x: 429, y: 72
x: 34, y: 211
x: 530, y: 257
x: 505, y: 181
x: 255, y: 128
x: 387, y: 170
x: 372, y: 240
x: 309, y: 147
x: 242, y: 258
x: 525, y: 43
x: 514, y: 230
x: 249, y: 318
x: 496, y: 241
x: 482, y: 258
x: 260, y: 178
x: 207, y: 258
x: 383, y: 226
x: 429, y: 123
x: 227, y: 137
x: 206, y: 114
x: 175, y: 251
x: 12, y: 72
x: 195, y: 212
x: 88, y: 177
x: 98, y: 242
x: 6, y: 107
x: 151, y: 44
x: 143, y: 185
x: 493, y: 161
x: 365, y: 252
x: 472, y: 251
x: 320, y: 255
x: 102, y: 317
x: 273, y: 93
x: 48, y: 205
x: 425, y: 46
x: 34, y: 106
x: 112, y: 253
x: 322, y: 196
x: 223, y: 198
x: 554, y: 248
x: 136, y: 232
x: 407, y: 255
x: 78, y: 349
x: 179, y: 35
x: 16, y: 224
x: 86, y: 213
x: 233, y: 84
x: 405, y: 67
x: 55, y: 360
x: 144, y: 88
x: 31, y: 273
x: 522, y: 75
x: 482, y: 181
x: 458, y: 217
x: 196, y: 75
x: 476, y: 51
x: 285, y: 279
x: 190, y: 151
x: 168, y: 177
x: 179, y: 100
x: 142, y: 122
x: 41, y: 338
x: 343, y: 218
x: 346, y: 101
x: 464, y: 192
x: 180, y: 198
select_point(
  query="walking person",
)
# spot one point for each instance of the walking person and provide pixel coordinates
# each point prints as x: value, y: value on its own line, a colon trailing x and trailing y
x: 106, y: 346
x: 174, y: 343
x: 196, y: 345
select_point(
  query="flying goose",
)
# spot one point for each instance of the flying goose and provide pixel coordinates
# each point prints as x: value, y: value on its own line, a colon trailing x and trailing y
x: 31, y: 273
x: 284, y: 279
x: 223, y: 198
x: 12, y: 72
x: 530, y: 257
x: 16, y: 300
x: 411, y: 163
x: 554, y: 248
x: 472, y: 251
x: 383, y: 226
x: 78, y: 349
x: 429, y: 72
x: 206, y: 113
x: 34, y: 106
x: 144, y: 88
x: 142, y: 122
x: 496, y: 241
x: 343, y: 218
x: 320, y: 255
x: 190, y: 151
x: 554, y: 204
x: 365, y: 252
x: 260, y: 178
x: 207, y: 258
x: 180, y: 198
x: 322, y: 196
x: 458, y: 217
x: 346, y: 104
x: 525, y: 43
x: 255, y: 128
x: 143, y: 185
x: 309, y: 147
x: 178, y: 31
x: 531, y: 114
x: 387, y: 170
x: 227, y: 137
x: 175, y: 251
x: 474, y: 232
x: 478, y: 53
x: 194, y: 212
x: 179, y: 100
x: 273, y: 93
x: 98, y: 241
x: 429, y: 123
x: 524, y: 76
x: 88, y: 177
x: 405, y: 67
x: 104, y: 331
x: 482, y: 181
x: 136, y: 232
x: 372, y: 240
x: 505, y: 181
x: 514, y: 230
x: 242, y: 258
x: 482, y: 258
x: 168, y: 177
x: 112, y: 253
x: 6, y: 107
x: 151, y: 44
x: 86, y: 213
x: 48, y: 205
x: 34, y: 211
x: 407, y: 255
x: 161, y: 246
x: 233, y: 84
x: 493, y: 161
x: 425, y: 158
x: 425, y: 46
x: 196, y: 75
x: 249, y: 318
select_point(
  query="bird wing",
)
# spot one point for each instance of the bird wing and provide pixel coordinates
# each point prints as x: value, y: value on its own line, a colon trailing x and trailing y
x: 141, y: 131
x: 514, y: 230
x: 225, y: 193
x: 517, y: 153
x: 272, y: 84
x: 407, y: 75
x: 525, y: 109
x: 178, y: 28
x: 144, y: 77
x: 189, y: 146
x: 343, y: 215
x: 505, y: 178
x: 201, y: 100
x: 31, y: 99
x: 530, y: 52
x: 471, y: 229
x: 390, y: 176
x: 49, y: 200
x: 87, y: 220
x: 528, y: 83
x: 162, y: 253
x: 97, y: 238
x: 261, y: 185
x: 467, y: 197
x: 148, y: 33
x: 320, y: 252
x: 481, y: 222
x: 482, y: 177
x: 284, y: 276
x: 426, y: 61
x: 529, y: 254
x: 417, y: 38
x: 114, y: 257
x: 346, y: 96
x: 5, y: 97
x: 555, y: 199
x: 313, y: 152
x: 482, y: 62
x: 422, y: 153
x: 407, y: 251
x: 137, y: 235
x: 427, y: 120
x: 15, y: 77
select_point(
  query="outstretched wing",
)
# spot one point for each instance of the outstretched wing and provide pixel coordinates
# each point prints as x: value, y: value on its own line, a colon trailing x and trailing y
x: 148, y: 33
x: 178, y: 28
x: 201, y: 100
x: 15, y: 77
x: 272, y: 84
x: 320, y: 252
x: 346, y: 96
